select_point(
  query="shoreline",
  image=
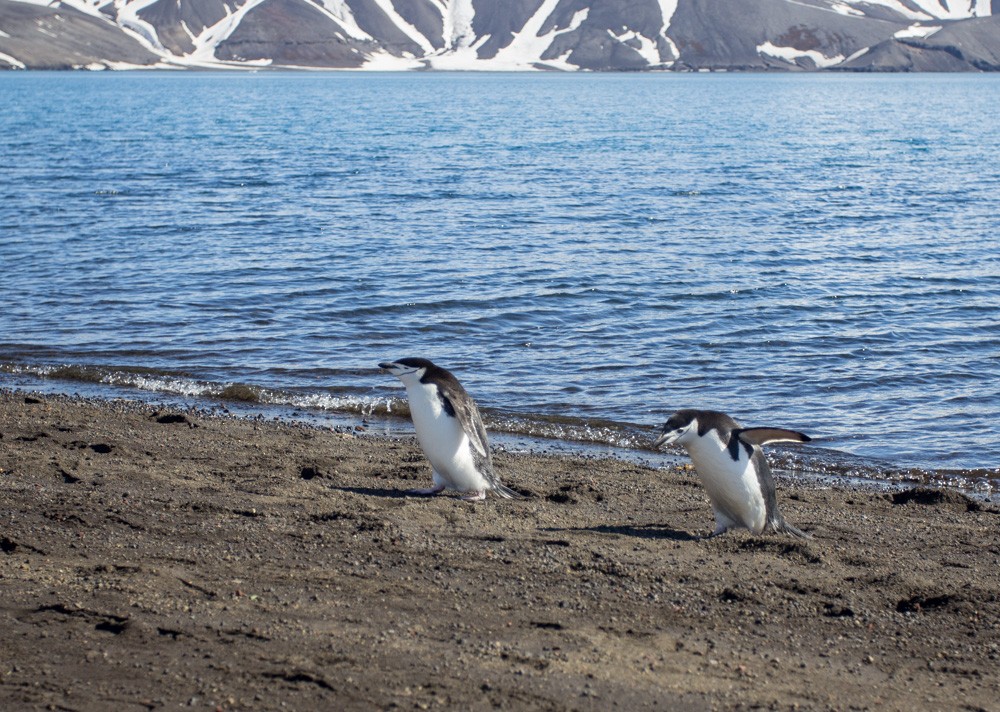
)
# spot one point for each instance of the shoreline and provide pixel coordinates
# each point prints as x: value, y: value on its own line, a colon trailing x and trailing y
x: 153, y: 558
x: 815, y: 462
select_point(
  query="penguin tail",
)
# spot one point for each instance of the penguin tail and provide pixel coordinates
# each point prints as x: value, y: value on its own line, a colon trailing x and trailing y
x: 506, y: 492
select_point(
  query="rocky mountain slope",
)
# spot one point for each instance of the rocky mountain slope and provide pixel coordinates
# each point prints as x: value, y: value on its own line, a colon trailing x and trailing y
x: 599, y: 35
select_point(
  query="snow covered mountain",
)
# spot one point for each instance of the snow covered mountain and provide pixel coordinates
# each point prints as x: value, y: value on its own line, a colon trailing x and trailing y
x: 680, y: 35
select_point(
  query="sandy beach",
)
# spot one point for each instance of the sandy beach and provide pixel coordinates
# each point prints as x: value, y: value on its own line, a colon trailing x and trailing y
x: 156, y: 559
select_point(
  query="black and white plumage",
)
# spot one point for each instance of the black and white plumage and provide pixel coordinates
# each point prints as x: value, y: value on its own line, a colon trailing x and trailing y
x: 732, y: 467
x: 449, y: 429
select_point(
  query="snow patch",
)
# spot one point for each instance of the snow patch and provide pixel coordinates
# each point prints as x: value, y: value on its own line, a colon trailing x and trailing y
x: 341, y: 13
x: 842, y: 9
x: 951, y: 10
x: 384, y: 62
x: 917, y: 31
x: 560, y: 63
x: 790, y: 54
x: 129, y: 20
x: 461, y: 58
x: 11, y: 60
x: 579, y: 17
x: 528, y: 45
x: 523, y: 53
x: 860, y: 53
x: 924, y: 9
x: 667, y: 10
x: 894, y: 5
x: 405, y: 27
x: 89, y: 8
x: 211, y: 37
x: 646, y: 49
x: 461, y: 45
x: 457, y: 18
x: 43, y: 27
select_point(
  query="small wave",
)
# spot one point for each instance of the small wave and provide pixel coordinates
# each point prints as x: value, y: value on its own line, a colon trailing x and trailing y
x: 550, y: 427
x: 242, y: 392
x: 138, y: 378
x: 172, y: 383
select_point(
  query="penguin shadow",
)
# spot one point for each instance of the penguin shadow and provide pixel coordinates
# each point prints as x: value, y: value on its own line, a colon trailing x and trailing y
x: 642, y: 531
x: 377, y: 492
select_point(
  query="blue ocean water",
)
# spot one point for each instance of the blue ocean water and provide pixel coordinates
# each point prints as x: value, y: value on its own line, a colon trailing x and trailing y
x: 586, y: 252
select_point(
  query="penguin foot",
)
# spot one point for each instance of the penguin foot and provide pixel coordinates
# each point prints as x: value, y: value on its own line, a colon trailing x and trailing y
x: 718, y: 532
x: 475, y: 496
x: 429, y: 492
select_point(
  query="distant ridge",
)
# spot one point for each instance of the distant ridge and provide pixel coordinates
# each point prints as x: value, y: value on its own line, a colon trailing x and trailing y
x: 497, y: 35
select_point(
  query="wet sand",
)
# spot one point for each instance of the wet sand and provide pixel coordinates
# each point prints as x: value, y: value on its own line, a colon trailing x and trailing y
x: 159, y: 559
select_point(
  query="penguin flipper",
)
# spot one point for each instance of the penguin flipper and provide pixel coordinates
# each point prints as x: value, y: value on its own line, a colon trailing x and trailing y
x: 459, y: 404
x: 760, y: 436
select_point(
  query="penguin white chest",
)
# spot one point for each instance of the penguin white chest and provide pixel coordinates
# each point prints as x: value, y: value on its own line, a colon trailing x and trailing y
x: 732, y: 485
x: 445, y: 444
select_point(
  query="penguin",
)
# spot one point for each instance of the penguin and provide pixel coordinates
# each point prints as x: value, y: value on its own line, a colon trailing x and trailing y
x: 732, y: 467
x: 449, y: 430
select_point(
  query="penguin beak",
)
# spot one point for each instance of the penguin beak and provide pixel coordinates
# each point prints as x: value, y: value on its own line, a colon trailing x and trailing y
x: 396, y: 369
x: 666, y: 439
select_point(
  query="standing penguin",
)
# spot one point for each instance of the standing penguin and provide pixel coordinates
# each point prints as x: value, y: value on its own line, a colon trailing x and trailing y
x: 732, y: 467
x: 449, y: 430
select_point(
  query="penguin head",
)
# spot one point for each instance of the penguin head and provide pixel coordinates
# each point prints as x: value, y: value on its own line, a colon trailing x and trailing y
x: 408, y: 370
x: 680, y: 428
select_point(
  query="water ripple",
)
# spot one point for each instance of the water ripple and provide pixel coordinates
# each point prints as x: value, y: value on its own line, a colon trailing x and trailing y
x: 813, y: 252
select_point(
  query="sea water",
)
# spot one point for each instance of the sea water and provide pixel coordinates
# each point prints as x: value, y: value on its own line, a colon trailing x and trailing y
x: 586, y: 252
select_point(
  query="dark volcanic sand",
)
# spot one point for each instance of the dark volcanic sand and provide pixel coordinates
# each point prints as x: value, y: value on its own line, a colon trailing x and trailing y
x: 225, y: 564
